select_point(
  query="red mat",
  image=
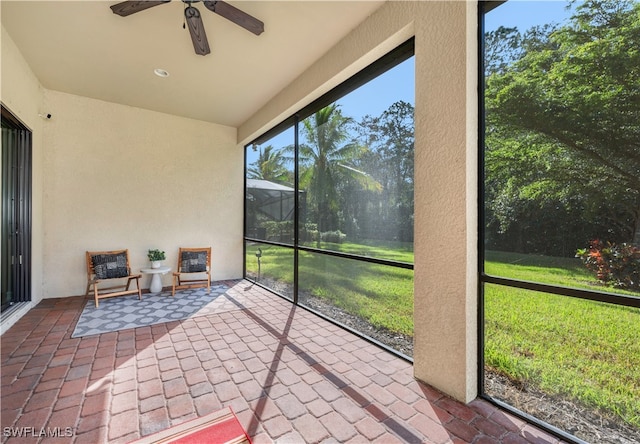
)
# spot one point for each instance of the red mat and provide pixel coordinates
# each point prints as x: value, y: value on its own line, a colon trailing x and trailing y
x: 221, y: 427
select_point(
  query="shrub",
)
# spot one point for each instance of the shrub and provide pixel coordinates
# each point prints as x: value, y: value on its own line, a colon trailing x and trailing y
x: 617, y: 265
x: 309, y: 232
x: 279, y: 230
x: 336, y: 237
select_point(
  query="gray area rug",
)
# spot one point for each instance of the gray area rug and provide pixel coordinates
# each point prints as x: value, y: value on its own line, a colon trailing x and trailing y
x: 122, y: 312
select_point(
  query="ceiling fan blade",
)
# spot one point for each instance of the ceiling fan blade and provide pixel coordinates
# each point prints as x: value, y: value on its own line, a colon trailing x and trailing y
x: 196, y: 29
x: 237, y: 16
x: 131, y: 7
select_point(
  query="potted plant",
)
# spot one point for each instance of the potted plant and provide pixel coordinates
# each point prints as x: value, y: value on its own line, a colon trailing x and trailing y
x: 156, y: 257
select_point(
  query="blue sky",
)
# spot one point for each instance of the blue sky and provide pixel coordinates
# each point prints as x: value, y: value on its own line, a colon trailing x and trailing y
x: 523, y: 14
x: 376, y: 96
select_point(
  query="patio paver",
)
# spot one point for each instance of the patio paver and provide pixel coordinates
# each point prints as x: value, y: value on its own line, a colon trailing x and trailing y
x: 289, y: 375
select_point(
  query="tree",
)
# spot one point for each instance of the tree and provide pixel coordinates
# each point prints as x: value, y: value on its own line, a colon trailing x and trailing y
x: 563, y: 117
x: 390, y: 138
x: 270, y: 165
x: 326, y: 163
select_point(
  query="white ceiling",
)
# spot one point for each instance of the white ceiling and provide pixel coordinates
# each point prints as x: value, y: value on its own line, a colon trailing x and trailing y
x: 81, y: 47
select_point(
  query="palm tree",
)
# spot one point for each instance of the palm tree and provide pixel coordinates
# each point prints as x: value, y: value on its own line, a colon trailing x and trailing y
x: 270, y: 165
x: 325, y: 163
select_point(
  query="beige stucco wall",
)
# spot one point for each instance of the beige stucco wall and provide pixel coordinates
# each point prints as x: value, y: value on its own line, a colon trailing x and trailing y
x: 445, y: 351
x: 123, y: 177
x: 108, y: 176
x: 21, y: 93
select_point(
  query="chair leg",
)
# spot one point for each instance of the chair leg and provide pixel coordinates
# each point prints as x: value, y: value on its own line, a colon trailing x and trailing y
x: 208, y: 283
x: 95, y: 293
x: 139, y: 290
x: 173, y: 287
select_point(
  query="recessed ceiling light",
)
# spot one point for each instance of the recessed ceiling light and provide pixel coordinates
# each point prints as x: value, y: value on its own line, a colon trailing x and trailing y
x: 161, y: 72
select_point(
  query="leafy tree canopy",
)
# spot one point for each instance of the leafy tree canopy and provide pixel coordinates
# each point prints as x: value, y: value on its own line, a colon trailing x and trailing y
x: 327, y: 157
x: 270, y: 165
x: 563, y: 111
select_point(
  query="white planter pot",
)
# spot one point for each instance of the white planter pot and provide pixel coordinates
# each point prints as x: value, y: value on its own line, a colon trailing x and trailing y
x: 156, y: 264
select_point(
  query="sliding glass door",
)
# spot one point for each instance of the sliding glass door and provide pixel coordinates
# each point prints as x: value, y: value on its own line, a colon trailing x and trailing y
x: 16, y: 211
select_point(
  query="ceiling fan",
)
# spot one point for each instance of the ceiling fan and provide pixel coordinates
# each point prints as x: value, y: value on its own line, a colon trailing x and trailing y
x: 193, y: 19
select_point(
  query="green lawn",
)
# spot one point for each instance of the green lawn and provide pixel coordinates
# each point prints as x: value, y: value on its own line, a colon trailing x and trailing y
x: 578, y: 349
x: 567, y: 272
x: 381, y: 294
x: 394, y: 251
x: 547, y: 269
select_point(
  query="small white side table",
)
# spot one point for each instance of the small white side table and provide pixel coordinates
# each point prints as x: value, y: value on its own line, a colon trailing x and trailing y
x: 156, y: 281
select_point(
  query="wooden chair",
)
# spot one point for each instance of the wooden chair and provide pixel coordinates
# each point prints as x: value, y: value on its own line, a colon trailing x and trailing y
x: 195, y: 264
x: 106, y: 267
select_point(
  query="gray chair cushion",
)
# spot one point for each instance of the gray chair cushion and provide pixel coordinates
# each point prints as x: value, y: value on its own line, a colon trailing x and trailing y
x: 193, y: 261
x: 110, y: 266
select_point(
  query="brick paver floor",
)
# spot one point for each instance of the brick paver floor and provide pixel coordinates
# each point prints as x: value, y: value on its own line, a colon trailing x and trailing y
x: 290, y: 376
